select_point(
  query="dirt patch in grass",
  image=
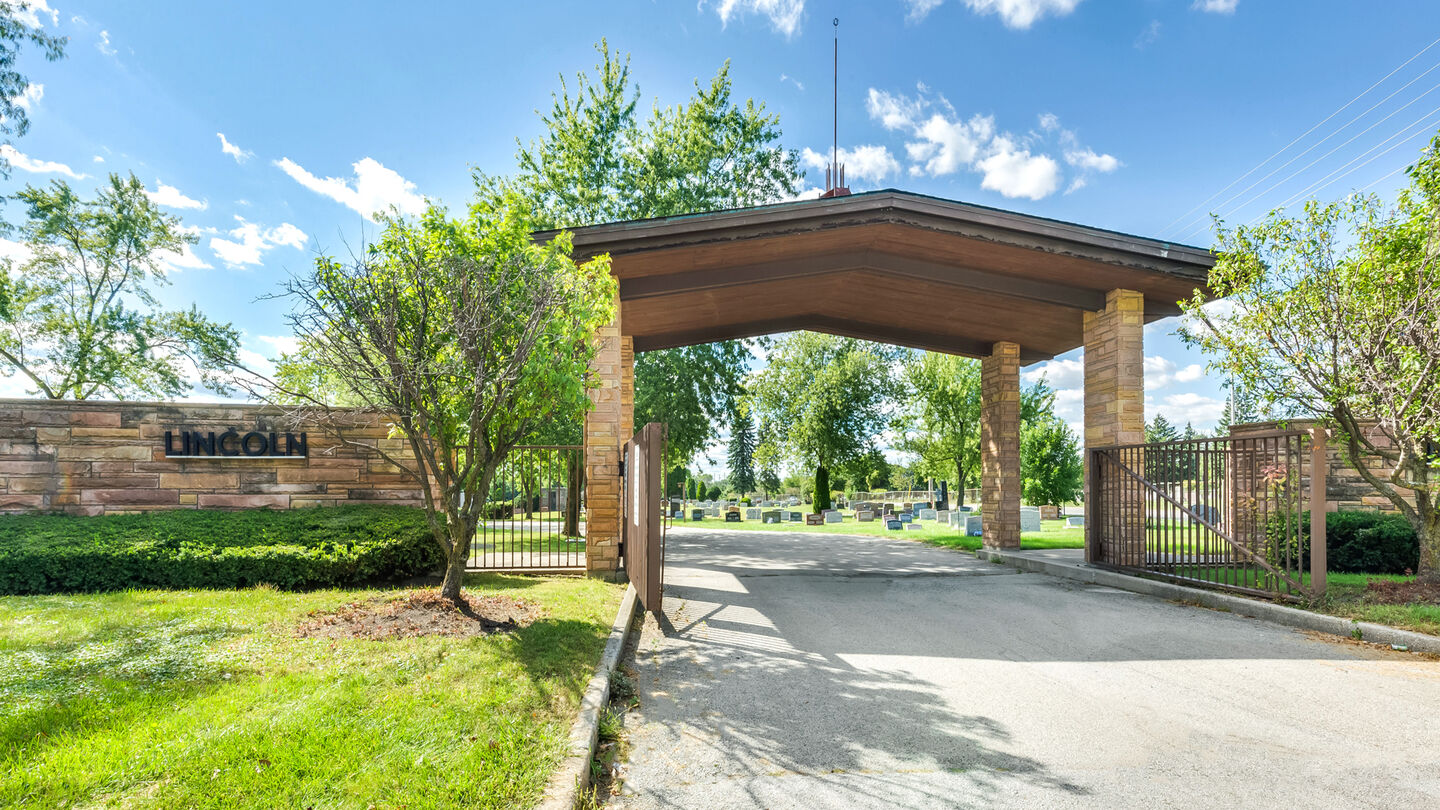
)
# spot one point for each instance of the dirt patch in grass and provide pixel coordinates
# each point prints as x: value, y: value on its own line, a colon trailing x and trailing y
x: 1387, y: 592
x: 420, y: 613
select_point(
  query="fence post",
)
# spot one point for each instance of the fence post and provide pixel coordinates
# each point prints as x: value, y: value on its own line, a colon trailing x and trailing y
x: 1092, y: 509
x: 1318, y: 494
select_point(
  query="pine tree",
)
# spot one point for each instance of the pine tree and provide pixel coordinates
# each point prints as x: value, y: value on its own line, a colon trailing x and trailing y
x: 742, y: 450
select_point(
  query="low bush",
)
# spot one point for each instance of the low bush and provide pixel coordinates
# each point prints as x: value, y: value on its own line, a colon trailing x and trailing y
x: 296, y: 549
x: 1359, y: 542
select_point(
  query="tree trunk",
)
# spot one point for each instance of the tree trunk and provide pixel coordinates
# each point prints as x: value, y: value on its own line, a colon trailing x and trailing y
x: 572, y: 496
x: 959, y: 484
x: 1428, y: 533
x: 455, y: 566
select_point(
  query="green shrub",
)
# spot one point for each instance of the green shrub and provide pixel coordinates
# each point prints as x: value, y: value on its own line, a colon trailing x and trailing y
x: 302, y: 548
x: 1357, y: 541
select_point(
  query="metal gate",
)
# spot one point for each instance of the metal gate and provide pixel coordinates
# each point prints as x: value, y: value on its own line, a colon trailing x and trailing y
x: 643, y: 541
x: 534, y: 515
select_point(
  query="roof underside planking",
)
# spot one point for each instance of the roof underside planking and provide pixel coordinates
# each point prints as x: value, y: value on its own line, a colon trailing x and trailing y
x: 888, y: 266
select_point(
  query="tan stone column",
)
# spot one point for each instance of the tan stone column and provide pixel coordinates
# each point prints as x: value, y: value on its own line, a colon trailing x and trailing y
x: 1000, y: 445
x: 604, y: 436
x: 1115, y: 414
x: 627, y: 387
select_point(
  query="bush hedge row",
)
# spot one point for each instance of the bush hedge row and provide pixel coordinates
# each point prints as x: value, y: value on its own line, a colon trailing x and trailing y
x: 1361, y: 542
x: 296, y: 549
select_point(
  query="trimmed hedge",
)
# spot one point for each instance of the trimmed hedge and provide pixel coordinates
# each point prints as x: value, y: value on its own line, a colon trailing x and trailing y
x: 294, y: 549
x: 1360, y: 541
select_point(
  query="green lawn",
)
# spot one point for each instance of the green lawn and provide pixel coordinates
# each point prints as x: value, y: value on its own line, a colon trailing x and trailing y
x: 1345, y: 597
x: 206, y: 699
x: 1053, y: 533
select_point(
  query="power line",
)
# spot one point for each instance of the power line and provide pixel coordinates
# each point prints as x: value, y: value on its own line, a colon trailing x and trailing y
x: 1302, y: 135
x: 1374, y: 183
x: 1404, y: 139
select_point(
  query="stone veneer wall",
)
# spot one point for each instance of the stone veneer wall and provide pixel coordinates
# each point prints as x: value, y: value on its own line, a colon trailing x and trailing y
x: 1344, y: 488
x: 94, y: 458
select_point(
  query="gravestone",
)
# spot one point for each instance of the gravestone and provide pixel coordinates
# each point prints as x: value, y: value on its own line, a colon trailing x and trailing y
x: 831, y: 516
x: 713, y: 511
x: 906, y: 506
x: 916, y: 507
x: 943, y: 516
x: 865, y: 516
x: 770, y: 516
x: 1207, y: 513
x: 1048, y: 512
x: 889, y: 508
x: 794, y: 517
x: 964, y: 509
x: 894, y: 525
x: 915, y: 526
x: 928, y: 514
x: 1075, y: 522
x: 973, y: 526
x: 752, y: 513
x: 906, y: 517
x: 697, y: 514
x: 812, y: 519
x: 1029, y: 519
x: 732, y: 517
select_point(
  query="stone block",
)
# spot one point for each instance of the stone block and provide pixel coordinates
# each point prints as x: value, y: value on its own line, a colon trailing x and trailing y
x: 813, y: 519
x: 865, y: 516
x: 216, y: 500
x: 198, y: 480
x: 93, y: 453
x: 928, y: 514
x: 130, y: 497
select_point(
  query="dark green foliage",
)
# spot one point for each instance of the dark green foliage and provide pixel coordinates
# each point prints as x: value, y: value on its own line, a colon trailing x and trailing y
x: 1358, y: 542
x: 713, y: 493
x: 303, y: 548
x: 742, y: 450
x: 822, y: 489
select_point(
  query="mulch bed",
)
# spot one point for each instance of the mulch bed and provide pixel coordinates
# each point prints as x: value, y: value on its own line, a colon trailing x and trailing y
x: 1385, y: 592
x: 420, y: 613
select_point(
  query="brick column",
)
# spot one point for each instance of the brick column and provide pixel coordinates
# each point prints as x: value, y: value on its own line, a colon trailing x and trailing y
x: 1000, y: 445
x: 603, y: 440
x: 627, y: 387
x: 1115, y: 414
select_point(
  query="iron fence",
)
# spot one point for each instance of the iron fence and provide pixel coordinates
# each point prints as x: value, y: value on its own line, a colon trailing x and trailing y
x: 535, y: 514
x: 1234, y: 512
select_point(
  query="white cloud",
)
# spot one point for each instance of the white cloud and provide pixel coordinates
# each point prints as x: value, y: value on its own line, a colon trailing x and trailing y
x: 784, y: 15
x: 374, y: 189
x: 280, y: 344
x: 799, y: 85
x: 251, y: 242
x: 1088, y: 159
x: 172, y: 197
x: 946, y: 145
x: 893, y: 111
x: 920, y: 9
x: 240, y: 155
x: 1014, y: 172
x: 1190, y: 373
x: 29, y: 14
x: 1197, y: 409
x: 1067, y: 373
x: 26, y: 163
x: 1023, y: 13
x: 870, y: 162
x: 104, y: 44
x: 1148, y: 35
x: 17, y: 252
x: 97, y: 159
x: 1216, y: 6
x: 31, y: 96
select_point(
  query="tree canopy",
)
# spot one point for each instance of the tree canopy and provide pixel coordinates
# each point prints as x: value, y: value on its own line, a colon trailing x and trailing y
x: 15, y: 33
x: 940, y: 421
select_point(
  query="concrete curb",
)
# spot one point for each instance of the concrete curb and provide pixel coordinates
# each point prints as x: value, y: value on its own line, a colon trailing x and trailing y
x: 573, y: 774
x: 1268, y: 611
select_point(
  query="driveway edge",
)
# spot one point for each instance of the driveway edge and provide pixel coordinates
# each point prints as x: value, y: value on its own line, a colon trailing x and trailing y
x: 1254, y: 608
x: 572, y: 776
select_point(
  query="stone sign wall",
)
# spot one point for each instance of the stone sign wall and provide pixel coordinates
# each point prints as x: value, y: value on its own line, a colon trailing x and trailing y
x: 94, y: 458
x: 1344, y: 488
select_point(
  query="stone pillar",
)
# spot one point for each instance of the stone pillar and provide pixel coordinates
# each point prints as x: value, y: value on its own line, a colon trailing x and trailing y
x: 1000, y: 445
x: 1115, y: 414
x: 627, y: 387
x: 604, y: 436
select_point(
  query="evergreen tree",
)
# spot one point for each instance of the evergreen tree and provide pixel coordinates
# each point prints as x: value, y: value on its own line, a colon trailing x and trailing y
x: 742, y: 449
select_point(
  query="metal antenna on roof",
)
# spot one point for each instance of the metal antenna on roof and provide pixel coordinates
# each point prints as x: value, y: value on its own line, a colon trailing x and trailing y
x: 835, y: 173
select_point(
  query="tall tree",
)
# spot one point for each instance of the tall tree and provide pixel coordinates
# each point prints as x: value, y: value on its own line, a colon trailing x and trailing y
x: 79, y: 317
x: 1336, y: 312
x: 465, y: 332
x: 742, y: 449
x: 597, y: 161
x: 1051, y: 471
x: 941, y: 419
x: 767, y: 458
x: 828, y: 397
x: 17, y: 30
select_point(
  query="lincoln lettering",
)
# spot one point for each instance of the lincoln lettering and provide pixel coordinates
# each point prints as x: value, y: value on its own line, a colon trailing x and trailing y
x: 233, y: 443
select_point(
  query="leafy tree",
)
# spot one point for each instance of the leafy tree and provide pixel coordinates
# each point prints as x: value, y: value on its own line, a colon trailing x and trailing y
x: 80, y: 317
x: 827, y: 396
x: 941, y: 419
x: 676, y: 481
x: 742, y: 449
x: 767, y: 458
x: 598, y: 162
x: 1336, y: 312
x: 869, y: 470
x: 1051, y: 471
x: 15, y: 32
x: 1160, y: 430
x: 713, y: 493
x: 469, y: 335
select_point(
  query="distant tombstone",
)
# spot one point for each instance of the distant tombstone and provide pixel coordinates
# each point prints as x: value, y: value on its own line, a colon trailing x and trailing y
x: 794, y: 517
x: 914, y: 526
x: 894, y: 525
x: 1048, y: 512
x: 732, y: 517
x: 1075, y: 522
x: 1029, y: 519
x: 752, y: 514
x: 973, y: 526
x: 889, y: 508
x: 943, y: 515
x: 920, y: 505
x: 963, y: 509
x: 865, y: 516
x: 906, y: 506
x: 813, y: 519
x: 832, y: 516
x: 697, y: 514
x: 770, y: 516
x: 928, y: 514
x: 1207, y: 513
x: 906, y: 517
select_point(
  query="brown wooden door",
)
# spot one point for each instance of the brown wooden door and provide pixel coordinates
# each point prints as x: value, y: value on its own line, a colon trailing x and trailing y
x: 644, y: 525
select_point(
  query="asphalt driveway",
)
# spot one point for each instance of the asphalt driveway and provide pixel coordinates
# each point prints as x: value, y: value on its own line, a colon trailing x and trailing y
x: 797, y: 670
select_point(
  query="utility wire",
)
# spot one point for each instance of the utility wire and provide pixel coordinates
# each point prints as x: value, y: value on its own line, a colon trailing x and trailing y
x: 1404, y: 139
x: 1302, y: 135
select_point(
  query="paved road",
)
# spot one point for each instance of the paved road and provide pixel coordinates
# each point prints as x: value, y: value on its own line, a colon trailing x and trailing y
x: 803, y: 671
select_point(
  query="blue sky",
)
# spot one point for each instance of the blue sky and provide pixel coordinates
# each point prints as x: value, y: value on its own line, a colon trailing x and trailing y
x: 1124, y: 114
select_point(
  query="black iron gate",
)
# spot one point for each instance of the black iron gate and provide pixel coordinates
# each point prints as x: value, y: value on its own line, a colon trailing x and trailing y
x: 535, y: 516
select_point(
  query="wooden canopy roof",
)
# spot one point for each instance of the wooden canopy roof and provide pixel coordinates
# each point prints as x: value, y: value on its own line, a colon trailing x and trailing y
x: 889, y: 266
